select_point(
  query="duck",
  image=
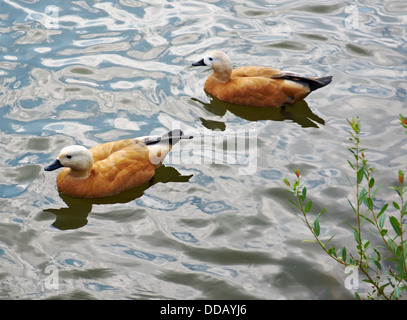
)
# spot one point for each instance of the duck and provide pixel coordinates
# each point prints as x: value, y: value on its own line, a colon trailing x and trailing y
x: 113, y: 167
x: 256, y: 86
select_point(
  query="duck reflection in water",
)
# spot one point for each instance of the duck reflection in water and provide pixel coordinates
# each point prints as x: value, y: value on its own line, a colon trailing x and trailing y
x: 76, y: 214
x: 299, y: 113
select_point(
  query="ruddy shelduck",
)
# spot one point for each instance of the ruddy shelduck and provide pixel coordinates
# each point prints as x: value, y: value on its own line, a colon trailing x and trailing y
x: 112, y: 167
x: 256, y: 86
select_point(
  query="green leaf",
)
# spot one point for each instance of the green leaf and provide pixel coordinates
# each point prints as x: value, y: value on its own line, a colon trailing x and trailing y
x: 360, y: 174
x: 384, y: 286
x: 397, y: 292
x: 369, y: 203
x: 397, y: 190
x: 355, y: 124
x: 350, y: 163
x: 286, y: 182
x: 404, y: 209
x: 383, y: 210
x: 391, y: 245
x: 309, y: 240
x: 304, y: 194
x: 367, y: 219
x: 316, y: 227
x: 366, y: 244
x: 377, y: 263
x: 399, y: 253
x: 326, y: 243
x: 379, y: 256
x: 396, y: 205
x: 308, y: 206
x: 396, y: 225
x: 332, y: 252
x: 344, y: 254
x: 362, y: 195
x: 356, y: 235
x: 376, y: 190
x: 293, y: 203
x: 371, y: 183
x: 353, y: 208
x: 381, y: 221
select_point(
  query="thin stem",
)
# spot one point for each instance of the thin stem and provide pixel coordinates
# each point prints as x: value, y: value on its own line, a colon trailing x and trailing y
x: 376, y: 285
x: 355, y: 140
x: 301, y: 207
x: 401, y: 225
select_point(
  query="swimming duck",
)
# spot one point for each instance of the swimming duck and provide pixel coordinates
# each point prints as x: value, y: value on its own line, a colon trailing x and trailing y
x: 112, y: 167
x: 256, y: 86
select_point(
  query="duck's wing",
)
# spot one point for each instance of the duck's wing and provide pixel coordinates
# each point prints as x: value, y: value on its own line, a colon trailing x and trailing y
x: 255, y: 71
x: 104, y: 150
x: 124, y: 169
x: 121, y: 162
x: 311, y: 82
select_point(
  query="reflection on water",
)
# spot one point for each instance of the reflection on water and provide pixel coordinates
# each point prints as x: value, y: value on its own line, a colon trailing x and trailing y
x: 299, y: 113
x: 87, y: 72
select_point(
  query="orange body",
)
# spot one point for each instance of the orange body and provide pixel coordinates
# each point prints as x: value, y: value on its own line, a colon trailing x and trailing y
x: 252, y: 86
x: 118, y: 166
x: 112, y: 167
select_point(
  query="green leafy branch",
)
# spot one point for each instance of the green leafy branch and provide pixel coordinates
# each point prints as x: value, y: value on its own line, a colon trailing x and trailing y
x: 387, y: 284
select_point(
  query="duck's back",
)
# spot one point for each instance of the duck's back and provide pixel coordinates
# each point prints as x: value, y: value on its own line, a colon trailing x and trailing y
x: 104, y: 150
x: 254, y: 71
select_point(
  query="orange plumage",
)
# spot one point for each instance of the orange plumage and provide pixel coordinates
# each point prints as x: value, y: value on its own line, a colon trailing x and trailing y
x: 256, y: 86
x: 112, y: 167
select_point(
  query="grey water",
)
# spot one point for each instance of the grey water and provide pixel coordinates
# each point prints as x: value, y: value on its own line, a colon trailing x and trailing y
x: 216, y: 222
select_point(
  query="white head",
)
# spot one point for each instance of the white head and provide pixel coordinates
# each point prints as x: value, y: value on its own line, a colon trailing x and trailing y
x: 78, y: 158
x: 214, y: 58
x: 219, y: 62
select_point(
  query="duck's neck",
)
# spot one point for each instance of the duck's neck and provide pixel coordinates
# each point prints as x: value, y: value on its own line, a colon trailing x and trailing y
x: 222, y: 73
x: 79, y: 174
x: 83, y: 171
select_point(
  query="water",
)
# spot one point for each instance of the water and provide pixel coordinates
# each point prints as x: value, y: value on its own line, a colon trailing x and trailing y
x: 88, y: 72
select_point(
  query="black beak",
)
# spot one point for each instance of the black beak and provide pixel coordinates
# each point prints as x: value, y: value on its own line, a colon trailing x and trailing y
x: 199, y: 63
x: 53, y: 166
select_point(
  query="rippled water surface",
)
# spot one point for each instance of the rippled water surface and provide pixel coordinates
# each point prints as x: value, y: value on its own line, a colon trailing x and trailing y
x: 215, y: 224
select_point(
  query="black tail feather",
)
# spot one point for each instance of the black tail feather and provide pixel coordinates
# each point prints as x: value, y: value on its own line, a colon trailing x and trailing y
x: 171, y: 137
x: 317, y: 83
x: 312, y: 83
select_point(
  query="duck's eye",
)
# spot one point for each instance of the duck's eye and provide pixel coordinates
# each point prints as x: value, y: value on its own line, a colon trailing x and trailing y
x: 69, y: 156
x: 210, y: 59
